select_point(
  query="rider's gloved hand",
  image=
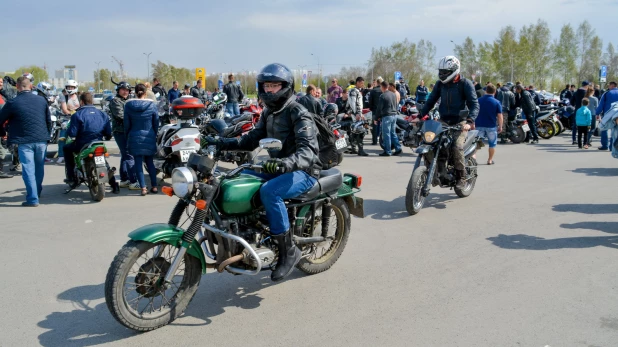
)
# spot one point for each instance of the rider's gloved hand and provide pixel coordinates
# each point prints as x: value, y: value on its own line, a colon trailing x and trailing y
x: 273, y: 166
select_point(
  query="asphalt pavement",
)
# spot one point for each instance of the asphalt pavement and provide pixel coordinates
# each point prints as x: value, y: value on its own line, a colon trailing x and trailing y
x: 529, y: 259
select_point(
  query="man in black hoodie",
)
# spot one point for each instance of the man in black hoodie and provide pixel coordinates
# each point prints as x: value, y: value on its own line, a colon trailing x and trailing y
x: 374, y: 101
x: 529, y: 108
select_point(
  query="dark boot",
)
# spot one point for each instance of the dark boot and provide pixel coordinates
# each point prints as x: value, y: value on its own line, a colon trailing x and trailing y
x: 289, y: 256
x: 353, y: 150
x: 461, y: 179
x: 361, y: 151
x: 4, y: 174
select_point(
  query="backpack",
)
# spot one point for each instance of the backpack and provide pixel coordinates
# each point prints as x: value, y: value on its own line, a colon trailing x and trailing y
x: 327, y: 151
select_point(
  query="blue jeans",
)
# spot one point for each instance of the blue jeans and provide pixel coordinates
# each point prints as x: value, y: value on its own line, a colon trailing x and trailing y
x: 490, y: 133
x: 278, y: 188
x: 232, y: 108
x: 573, y: 129
x: 388, y: 133
x: 32, y: 158
x: 61, y: 143
x: 126, y: 160
x: 375, y: 132
x: 606, y: 139
x: 139, y: 170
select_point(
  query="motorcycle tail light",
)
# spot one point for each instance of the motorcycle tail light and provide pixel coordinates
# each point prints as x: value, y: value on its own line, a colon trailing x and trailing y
x: 99, y: 151
x: 175, y: 142
x: 102, y: 174
x: 247, y: 127
x: 337, y: 134
x: 197, y: 140
x: 357, y: 180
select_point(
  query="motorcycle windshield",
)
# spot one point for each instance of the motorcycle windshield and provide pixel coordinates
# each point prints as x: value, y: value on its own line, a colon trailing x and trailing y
x: 433, y: 126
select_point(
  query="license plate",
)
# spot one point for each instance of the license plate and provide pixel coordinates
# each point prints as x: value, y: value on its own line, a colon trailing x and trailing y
x: 184, y: 155
x: 341, y: 143
x: 525, y: 127
x: 100, y: 160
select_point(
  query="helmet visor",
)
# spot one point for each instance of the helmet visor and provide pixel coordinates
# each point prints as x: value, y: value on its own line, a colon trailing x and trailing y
x: 444, y: 73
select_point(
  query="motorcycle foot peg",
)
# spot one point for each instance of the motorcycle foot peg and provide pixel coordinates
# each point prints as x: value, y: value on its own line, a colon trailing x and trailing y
x: 113, y: 169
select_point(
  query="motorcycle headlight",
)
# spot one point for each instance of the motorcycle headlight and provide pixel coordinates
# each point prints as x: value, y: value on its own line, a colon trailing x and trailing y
x: 183, y: 181
x: 429, y: 136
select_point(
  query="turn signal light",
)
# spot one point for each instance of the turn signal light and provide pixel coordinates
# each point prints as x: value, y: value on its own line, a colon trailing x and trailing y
x: 107, y: 154
x: 90, y: 155
x: 169, y: 191
x: 357, y: 180
x: 200, y: 204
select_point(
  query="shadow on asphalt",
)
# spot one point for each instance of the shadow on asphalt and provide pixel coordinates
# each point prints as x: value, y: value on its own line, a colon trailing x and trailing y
x: 587, y: 208
x: 396, y: 209
x: 89, y: 324
x: 535, y: 243
x: 600, y: 172
x: 606, y: 227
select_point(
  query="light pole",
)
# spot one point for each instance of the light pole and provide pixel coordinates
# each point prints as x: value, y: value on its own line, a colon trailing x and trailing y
x: 98, y: 75
x: 319, y: 72
x: 148, y: 64
x: 300, y: 73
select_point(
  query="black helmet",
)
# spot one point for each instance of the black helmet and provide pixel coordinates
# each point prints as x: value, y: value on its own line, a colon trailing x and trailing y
x: 275, y: 73
x: 124, y: 85
x: 331, y: 110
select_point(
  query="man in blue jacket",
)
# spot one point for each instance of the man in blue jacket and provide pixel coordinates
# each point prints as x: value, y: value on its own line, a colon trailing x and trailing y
x: 421, y: 93
x: 88, y: 124
x: 605, y: 104
x: 29, y: 126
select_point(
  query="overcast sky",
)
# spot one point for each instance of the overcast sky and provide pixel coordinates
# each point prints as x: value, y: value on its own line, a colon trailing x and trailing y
x: 235, y: 35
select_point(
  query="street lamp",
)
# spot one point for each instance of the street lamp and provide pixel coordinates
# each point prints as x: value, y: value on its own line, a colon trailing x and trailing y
x: 148, y: 64
x: 98, y: 74
x: 319, y: 72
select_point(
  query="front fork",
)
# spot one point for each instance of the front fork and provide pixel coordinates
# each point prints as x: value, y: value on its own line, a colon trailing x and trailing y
x: 432, y: 172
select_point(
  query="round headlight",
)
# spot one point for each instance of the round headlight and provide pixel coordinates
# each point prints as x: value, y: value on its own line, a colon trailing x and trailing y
x: 183, y: 181
x: 429, y: 136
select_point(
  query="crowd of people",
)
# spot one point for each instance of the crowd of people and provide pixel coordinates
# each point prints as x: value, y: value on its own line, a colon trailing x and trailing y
x: 134, y: 122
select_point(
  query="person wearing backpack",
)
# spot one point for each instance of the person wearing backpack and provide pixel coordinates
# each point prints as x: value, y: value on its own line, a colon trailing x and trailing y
x: 457, y: 94
x: 291, y: 171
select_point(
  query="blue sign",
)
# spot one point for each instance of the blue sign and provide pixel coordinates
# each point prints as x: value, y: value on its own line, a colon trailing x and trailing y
x: 397, y: 76
x: 91, y: 89
x: 237, y: 83
x: 603, y: 74
x: 304, y: 80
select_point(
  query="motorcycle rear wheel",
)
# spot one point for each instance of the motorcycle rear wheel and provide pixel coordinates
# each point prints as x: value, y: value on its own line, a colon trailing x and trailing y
x: 414, y: 197
x: 322, y: 256
x: 519, y: 137
x: 340, y: 157
x: 470, y: 172
x: 121, y: 301
x: 560, y: 127
x: 97, y: 190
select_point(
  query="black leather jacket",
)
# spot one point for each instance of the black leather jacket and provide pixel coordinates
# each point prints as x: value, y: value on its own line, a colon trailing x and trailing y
x: 116, y: 112
x: 454, y: 98
x: 312, y: 104
x: 294, y: 126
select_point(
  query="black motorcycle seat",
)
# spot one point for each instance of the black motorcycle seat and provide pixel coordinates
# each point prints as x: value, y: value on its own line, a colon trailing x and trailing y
x: 330, y: 180
x: 241, y: 118
x: 90, y: 144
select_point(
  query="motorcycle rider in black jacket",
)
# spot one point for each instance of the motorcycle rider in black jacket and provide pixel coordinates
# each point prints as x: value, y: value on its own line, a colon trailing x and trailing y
x: 529, y: 108
x: 456, y: 93
x: 310, y: 101
x: 293, y: 170
x: 374, y: 102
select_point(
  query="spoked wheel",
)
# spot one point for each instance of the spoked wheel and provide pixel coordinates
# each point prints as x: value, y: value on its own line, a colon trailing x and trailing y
x: 560, y: 127
x: 319, y: 257
x: 414, y: 192
x: 471, y: 179
x: 134, y: 292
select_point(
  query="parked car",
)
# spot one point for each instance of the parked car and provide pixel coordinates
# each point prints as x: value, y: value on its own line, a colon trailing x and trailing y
x: 97, y: 98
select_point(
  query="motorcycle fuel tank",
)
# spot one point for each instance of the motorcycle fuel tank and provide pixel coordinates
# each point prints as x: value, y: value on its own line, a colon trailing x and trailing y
x: 239, y: 195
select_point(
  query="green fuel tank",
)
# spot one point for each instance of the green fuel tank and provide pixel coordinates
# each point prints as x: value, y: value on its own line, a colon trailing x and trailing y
x: 239, y: 195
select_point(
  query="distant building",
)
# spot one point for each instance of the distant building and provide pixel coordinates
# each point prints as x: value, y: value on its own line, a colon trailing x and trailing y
x: 69, y: 72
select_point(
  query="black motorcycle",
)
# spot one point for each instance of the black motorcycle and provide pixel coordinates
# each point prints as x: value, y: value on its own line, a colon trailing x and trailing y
x: 434, y: 164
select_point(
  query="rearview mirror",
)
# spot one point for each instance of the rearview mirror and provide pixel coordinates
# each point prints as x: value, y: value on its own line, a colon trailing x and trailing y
x: 463, y: 114
x: 270, y: 144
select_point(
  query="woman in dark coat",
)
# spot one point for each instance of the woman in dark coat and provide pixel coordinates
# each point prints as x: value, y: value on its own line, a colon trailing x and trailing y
x: 141, y: 123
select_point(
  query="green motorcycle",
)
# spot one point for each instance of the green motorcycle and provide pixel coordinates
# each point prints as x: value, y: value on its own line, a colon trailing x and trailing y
x: 92, y: 169
x: 155, y: 275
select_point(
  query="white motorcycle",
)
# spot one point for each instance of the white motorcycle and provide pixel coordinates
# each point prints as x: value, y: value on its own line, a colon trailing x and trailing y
x: 176, y: 142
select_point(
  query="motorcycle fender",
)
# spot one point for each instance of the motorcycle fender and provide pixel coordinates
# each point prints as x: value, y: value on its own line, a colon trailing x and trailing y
x: 160, y: 232
x: 423, y: 149
x: 355, y: 205
x: 102, y: 174
x: 470, y: 150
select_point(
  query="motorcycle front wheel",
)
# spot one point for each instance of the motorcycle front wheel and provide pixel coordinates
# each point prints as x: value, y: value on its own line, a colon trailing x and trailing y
x: 546, y: 130
x: 133, y: 290
x: 471, y: 176
x: 414, y: 196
